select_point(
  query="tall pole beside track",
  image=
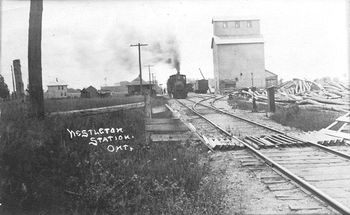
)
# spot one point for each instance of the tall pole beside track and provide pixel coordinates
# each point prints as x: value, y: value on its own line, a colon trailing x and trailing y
x: 139, y: 47
x: 149, y: 73
x: 36, y: 93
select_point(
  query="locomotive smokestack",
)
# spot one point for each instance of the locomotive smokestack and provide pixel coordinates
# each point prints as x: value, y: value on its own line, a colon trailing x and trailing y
x: 177, y: 65
x: 176, y: 60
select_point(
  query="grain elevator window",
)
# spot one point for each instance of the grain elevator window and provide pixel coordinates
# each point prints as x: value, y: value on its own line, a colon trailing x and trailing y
x: 249, y: 24
x: 224, y: 25
x: 237, y: 25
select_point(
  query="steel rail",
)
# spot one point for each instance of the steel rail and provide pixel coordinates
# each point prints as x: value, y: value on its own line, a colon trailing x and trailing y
x: 320, y: 194
x: 343, y: 155
x: 208, y: 120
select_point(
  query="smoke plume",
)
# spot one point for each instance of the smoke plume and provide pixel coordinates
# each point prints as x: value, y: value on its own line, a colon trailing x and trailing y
x: 166, y: 51
x: 109, y: 54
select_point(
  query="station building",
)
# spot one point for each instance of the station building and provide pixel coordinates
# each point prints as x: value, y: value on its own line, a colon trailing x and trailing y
x: 238, y: 53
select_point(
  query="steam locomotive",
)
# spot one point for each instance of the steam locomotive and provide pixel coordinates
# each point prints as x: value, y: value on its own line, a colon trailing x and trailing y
x: 176, y: 86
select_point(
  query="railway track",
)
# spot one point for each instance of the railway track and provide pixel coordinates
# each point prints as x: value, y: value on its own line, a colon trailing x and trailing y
x: 320, y: 170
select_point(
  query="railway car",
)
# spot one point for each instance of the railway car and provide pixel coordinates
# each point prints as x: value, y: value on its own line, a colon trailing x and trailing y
x: 176, y: 86
x: 189, y: 87
x: 201, y: 86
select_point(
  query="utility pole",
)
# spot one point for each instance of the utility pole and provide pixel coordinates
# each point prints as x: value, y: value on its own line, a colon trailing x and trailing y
x: 36, y: 94
x: 252, y: 79
x: 139, y: 47
x: 154, y: 78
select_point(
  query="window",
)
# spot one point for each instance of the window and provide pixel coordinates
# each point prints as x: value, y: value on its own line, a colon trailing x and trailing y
x: 224, y: 24
x: 65, y: 94
x: 237, y: 24
x: 61, y: 94
x: 58, y: 87
x: 249, y: 24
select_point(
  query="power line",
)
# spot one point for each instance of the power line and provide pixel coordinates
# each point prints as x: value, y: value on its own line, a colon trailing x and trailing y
x: 149, y: 72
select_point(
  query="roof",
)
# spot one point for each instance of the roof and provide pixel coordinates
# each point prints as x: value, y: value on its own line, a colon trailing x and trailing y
x: 270, y: 73
x: 233, y: 18
x: 235, y: 40
x: 114, y: 88
x: 57, y: 83
x: 91, y: 88
x: 136, y: 81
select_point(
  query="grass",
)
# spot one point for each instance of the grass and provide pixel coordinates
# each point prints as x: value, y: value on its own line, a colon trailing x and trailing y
x: 44, y: 171
x: 291, y: 115
x: 306, y: 120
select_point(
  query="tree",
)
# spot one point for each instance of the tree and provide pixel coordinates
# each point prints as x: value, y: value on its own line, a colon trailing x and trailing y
x: 4, y: 90
x: 36, y: 93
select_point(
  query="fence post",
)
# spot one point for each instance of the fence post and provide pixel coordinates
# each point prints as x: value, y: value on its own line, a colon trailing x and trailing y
x: 271, y: 99
x: 148, y: 106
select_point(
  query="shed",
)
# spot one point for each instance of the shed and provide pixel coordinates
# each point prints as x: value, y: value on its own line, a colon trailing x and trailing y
x: 271, y: 79
x: 134, y: 86
x: 90, y: 92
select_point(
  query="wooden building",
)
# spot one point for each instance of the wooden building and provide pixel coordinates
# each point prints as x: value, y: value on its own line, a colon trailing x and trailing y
x: 56, y: 89
x: 90, y: 92
x: 134, y: 87
x: 271, y: 79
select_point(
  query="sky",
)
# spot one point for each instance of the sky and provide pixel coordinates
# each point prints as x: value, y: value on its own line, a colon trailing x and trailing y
x: 88, y: 42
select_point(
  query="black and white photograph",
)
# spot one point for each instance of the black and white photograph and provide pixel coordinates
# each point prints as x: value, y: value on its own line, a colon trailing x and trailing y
x: 194, y: 107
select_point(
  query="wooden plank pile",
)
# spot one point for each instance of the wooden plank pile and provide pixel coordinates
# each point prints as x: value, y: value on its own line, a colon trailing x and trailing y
x: 165, y: 125
x: 223, y: 143
x: 166, y: 130
x: 320, y: 138
x: 271, y: 141
x: 326, y: 95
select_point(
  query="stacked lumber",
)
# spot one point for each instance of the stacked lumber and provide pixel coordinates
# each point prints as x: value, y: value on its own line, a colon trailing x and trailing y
x: 328, y: 95
x: 320, y: 138
x: 271, y: 141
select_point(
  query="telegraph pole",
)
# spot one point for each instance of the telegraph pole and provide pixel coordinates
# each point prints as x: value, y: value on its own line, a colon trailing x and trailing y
x: 139, y: 47
x: 36, y: 94
x: 153, y: 78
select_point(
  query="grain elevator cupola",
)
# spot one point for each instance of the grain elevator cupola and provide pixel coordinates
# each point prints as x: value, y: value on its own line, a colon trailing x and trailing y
x: 238, y: 53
